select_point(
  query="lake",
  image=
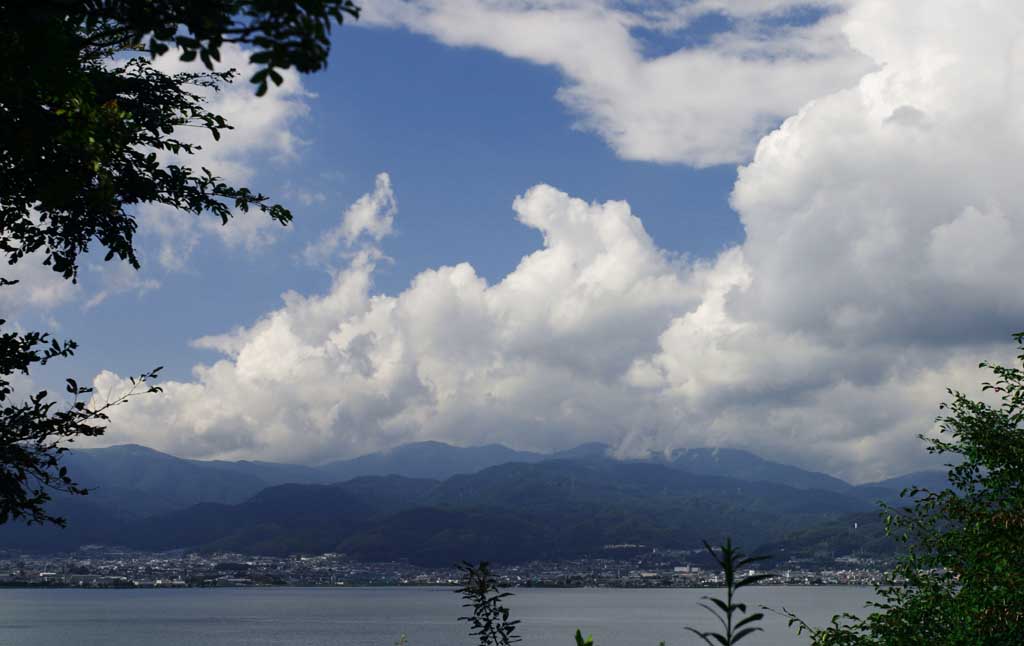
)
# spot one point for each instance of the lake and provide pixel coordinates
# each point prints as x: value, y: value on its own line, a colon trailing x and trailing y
x: 379, y: 616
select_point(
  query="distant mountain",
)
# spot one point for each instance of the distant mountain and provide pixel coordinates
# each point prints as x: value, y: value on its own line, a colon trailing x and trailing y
x: 565, y: 508
x: 442, y: 536
x: 612, y: 483
x: 934, y: 479
x: 280, y: 520
x: 427, y: 460
x: 857, y: 534
x: 272, y: 473
x: 87, y: 524
x: 131, y: 480
x: 509, y: 512
x: 588, y: 451
x: 743, y: 465
x: 478, y: 502
x: 861, y: 535
x: 888, y: 491
x: 728, y: 463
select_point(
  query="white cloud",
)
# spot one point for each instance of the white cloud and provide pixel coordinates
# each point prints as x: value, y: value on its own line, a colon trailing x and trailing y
x: 38, y: 288
x: 117, y: 278
x: 702, y: 105
x: 879, y: 267
x: 884, y: 211
x: 168, y: 233
x: 451, y: 356
x: 304, y: 195
x: 262, y: 128
x: 372, y: 215
x: 250, y: 231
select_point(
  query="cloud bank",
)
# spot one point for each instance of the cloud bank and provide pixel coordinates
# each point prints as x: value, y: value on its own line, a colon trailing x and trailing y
x: 879, y: 266
x: 702, y: 104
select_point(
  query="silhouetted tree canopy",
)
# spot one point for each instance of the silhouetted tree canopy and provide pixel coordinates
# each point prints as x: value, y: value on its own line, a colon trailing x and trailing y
x: 86, y: 123
x: 32, y: 433
x: 83, y: 114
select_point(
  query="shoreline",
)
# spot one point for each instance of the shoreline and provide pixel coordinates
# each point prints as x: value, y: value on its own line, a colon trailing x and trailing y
x: 397, y: 586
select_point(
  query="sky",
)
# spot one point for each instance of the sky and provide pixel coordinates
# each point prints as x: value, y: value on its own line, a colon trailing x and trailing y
x: 785, y: 226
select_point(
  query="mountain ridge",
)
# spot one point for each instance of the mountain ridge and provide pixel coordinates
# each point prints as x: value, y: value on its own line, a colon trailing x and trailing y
x: 556, y: 505
x: 509, y: 512
x: 132, y: 480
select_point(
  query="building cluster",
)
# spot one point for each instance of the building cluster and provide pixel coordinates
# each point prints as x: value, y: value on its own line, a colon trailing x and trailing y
x: 120, y: 568
x: 102, y: 567
x: 676, y: 569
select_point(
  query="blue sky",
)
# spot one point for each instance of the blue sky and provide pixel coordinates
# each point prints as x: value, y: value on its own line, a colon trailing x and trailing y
x: 780, y: 225
x: 442, y: 121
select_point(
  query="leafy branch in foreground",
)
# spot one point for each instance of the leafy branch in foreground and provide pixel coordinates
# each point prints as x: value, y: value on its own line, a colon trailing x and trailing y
x: 958, y: 581
x: 489, y: 621
x: 32, y: 432
x: 90, y: 130
x: 731, y: 560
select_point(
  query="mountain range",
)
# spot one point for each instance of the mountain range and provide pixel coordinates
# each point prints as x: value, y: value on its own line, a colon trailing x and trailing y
x: 434, y: 503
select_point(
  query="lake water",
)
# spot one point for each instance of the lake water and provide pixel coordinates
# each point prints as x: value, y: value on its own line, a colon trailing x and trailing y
x: 379, y: 616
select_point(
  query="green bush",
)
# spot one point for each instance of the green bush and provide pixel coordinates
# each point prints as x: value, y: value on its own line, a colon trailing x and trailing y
x: 958, y: 581
x: 728, y: 611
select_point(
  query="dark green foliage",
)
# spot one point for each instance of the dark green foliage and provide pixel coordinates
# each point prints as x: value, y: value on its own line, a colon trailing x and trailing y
x: 281, y: 34
x: 79, y: 136
x: 85, y: 125
x: 958, y: 581
x: 580, y: 641
x: 32, y: 432
x: 728, y: 611
x: 489, y: 622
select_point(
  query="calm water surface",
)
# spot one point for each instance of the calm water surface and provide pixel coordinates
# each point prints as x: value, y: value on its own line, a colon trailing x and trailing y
x: 379, y: 616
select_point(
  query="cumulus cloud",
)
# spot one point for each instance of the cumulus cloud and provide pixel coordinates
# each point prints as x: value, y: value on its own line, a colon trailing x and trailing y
x: 878, y: 268
x: 250, y: 231
x: 898, y: 192
x: 372, y: 216
x: 702, y: 105
x: 878, y: 264
x: 38, y: 288
x: 261, y: 126
x: 451, y: 356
